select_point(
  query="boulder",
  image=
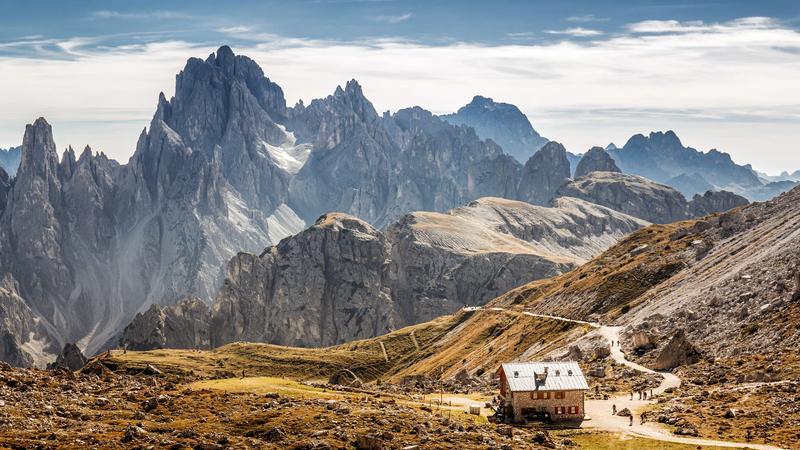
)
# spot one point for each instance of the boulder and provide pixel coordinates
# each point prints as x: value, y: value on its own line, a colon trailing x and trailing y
x: 643, y: 341
x: 597, y: 372
x: 369, y: 442
x: 602, y: 352
x: 678, y: 352
x: 574, y: 354
x: 624, y: 412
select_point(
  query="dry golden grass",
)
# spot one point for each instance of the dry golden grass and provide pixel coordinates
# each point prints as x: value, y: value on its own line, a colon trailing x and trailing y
x: 612, y: 280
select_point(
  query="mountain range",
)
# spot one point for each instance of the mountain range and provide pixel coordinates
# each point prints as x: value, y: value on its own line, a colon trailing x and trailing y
x: 226, y: 169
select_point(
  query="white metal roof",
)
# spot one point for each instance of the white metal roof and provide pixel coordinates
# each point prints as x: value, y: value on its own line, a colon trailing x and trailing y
x: 561, y: 376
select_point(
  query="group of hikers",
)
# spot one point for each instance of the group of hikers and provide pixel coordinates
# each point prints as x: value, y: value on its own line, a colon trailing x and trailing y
x: 643, y: 394
x: 642, y: 417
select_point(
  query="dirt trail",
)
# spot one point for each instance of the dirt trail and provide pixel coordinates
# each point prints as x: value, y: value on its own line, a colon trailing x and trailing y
x: 599, y: 412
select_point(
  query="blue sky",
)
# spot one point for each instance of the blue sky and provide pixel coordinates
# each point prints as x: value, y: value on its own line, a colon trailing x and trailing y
x: 721, y: 74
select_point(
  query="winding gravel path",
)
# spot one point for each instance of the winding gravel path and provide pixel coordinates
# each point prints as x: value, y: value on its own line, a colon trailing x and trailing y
x: 599, y: 412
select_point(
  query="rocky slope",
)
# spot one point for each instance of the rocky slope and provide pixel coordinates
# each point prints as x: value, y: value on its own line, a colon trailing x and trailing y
x: 503, y: 123
x: 730, y: 281
x: 341, y: 279
x: 640, y: 197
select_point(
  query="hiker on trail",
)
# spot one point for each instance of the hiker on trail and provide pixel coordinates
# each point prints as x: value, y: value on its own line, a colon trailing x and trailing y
x: 644, y: 395
x: 631, y: 395
x: 640, y: 395
x: 651, y: 393
x: 631, y: 422
x: 643, y: 418
x: 614, y: 409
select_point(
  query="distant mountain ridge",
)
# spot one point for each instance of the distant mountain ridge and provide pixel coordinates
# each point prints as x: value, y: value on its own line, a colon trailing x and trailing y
x: 662, y: 157
x: 503, y: 123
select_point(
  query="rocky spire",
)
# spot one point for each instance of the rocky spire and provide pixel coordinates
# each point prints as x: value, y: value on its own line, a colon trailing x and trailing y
x: 39, y: 159
x: 543, y: 174
x: 595, y: 160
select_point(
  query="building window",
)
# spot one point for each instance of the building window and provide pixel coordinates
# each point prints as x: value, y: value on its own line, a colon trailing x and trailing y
x: 559, y: 395
x: 542, y: 395
x: 573, y: 410
x: 559, y: 410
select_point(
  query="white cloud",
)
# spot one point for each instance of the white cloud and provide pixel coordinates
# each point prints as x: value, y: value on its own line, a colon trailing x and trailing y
x: 139, y: 15
x: 234, y: 30
x: 693, y: 26
x: 394, y: 19
x: 576, y: 32
x: 586, y: 18
x: 731, y: 86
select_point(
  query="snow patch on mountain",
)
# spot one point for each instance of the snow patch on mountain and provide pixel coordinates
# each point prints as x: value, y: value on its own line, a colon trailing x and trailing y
x: 289, y: 156
x: 283, y: 222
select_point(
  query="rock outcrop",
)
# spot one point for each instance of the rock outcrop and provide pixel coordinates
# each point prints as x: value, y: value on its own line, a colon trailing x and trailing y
x: 714, y: 201
x: 342, y: 279
x: 678, y: 352
x: 645, y: 199
x: 183, y: 325
x: 595, y: 160
x: 320, y: 287
x: 70, y: 358
x: 629, y: 194
x: 503, y: 123
x: 544, y: 173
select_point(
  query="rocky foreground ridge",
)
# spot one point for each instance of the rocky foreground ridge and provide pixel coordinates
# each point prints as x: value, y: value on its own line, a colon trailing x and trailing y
x: 342, y: 279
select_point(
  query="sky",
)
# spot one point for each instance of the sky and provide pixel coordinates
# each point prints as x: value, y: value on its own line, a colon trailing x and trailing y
x: 721, y: 74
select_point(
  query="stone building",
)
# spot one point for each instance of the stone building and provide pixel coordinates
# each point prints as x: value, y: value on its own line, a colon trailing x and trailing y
x: 547, y: 391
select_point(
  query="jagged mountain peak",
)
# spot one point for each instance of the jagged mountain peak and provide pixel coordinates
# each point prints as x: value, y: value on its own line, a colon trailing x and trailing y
x: 39, y: 156
x: 668, y: 138
x: 86, y: 154
x: 503, y: 123
x: 552, y: 148
x: 595, y: 160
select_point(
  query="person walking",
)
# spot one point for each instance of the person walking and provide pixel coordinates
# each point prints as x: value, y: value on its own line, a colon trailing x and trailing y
x: 644, y: 395
x: 630, y: 424
x: 640, y: 394
x: 631, y: 394
x: 614, y: 409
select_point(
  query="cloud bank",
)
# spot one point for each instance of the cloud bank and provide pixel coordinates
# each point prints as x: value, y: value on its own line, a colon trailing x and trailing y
x: 730, y: 85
